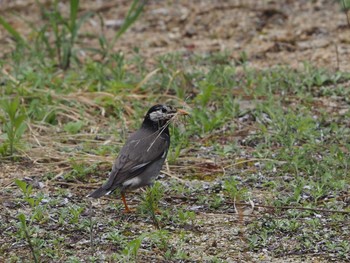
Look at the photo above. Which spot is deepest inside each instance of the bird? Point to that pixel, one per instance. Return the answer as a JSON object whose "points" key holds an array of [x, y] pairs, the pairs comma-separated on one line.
{"points": [[141, 158]]}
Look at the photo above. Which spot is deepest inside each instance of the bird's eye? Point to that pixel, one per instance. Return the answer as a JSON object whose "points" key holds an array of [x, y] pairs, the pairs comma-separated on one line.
{"points": [[164, 110]]}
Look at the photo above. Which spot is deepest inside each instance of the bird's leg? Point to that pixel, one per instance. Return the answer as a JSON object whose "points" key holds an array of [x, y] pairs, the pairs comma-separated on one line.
{"points": [[127, 210]]}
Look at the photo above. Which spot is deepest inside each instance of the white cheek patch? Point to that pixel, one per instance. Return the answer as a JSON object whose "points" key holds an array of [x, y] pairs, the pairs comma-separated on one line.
{"points": [[159, 115], [156, 116]]}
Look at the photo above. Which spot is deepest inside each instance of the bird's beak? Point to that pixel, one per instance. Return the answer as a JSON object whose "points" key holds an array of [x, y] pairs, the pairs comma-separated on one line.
{"points": [[182, 112]]}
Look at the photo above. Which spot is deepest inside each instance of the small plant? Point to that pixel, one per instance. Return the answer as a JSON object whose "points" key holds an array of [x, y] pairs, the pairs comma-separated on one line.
{"points": [[232, 190], [73, 127], [116, 237], [79, 170], [215, 202], [160, 239], [25, 231], [27, 192], [58, 37], [75, 212], [132, 248], [185, 216], [13, 125], [65, 32], [150, 201]]}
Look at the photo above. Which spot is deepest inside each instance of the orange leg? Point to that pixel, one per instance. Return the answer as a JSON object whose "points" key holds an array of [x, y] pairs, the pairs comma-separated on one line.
{"points": [[127, 210]]}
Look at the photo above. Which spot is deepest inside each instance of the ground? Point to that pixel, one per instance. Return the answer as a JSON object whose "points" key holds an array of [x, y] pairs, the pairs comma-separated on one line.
{"points": [[257, 173]]}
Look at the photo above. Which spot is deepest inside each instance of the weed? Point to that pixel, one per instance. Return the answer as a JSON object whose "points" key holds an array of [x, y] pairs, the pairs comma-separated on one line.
{"points": [[73, 127], [65, 33], [13, 124], [80, 170], [75, 212], [27, 192], [131, 250], [215, 202], [232, 190], [25, 231], [116, 237], [160, 239], [150, 202], [186, 216]]}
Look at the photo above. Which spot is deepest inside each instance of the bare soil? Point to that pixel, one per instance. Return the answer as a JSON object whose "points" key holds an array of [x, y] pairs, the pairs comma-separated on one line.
{"points": [[270, 32]]}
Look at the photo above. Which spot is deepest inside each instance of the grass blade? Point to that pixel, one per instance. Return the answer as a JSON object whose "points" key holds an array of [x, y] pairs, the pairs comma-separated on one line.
{"points": [[14, 33], [74, 6], [133, 13]]}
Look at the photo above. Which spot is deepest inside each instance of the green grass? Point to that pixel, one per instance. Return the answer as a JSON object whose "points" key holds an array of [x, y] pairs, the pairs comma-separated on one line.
{"points": [[303, 148], [59, 37], [277, 137], [14, 126]]}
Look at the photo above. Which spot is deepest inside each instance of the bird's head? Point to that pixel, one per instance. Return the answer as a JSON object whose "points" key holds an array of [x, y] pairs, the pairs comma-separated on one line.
{"points": [[160, 114]]}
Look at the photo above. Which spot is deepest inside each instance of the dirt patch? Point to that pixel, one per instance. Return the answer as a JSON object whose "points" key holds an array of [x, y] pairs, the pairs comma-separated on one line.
{"points": [[269, 32]]}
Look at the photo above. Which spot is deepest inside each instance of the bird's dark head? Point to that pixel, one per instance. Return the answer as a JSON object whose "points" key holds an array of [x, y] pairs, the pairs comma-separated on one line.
{"points": [[159, 115]]}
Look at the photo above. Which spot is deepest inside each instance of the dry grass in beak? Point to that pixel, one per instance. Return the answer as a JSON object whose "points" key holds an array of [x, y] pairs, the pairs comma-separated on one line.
{"points": [[182, 112], [177, 114]]}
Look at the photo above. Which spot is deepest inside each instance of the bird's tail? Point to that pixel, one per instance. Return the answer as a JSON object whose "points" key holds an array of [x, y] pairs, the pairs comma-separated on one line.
{"points": [[99, 192]]}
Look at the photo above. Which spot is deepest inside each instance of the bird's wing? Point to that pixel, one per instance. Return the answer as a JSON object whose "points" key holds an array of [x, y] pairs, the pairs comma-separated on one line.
{"points": [[140, 150]]}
